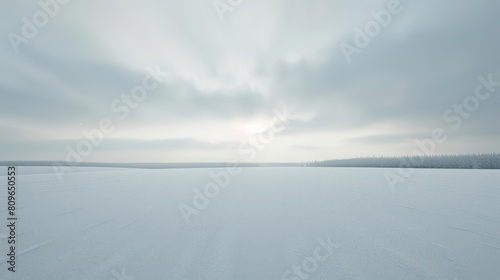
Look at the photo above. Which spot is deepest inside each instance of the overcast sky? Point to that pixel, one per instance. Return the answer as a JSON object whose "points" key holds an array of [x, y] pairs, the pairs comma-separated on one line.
{"points": [[226, 77]]}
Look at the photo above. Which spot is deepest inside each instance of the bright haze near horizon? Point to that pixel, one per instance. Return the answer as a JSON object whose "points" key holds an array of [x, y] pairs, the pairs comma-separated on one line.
{"points": [[227, 77]]}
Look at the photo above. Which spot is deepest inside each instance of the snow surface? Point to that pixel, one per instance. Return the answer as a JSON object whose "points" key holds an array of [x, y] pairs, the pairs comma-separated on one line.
{"points": [[124, 224]]}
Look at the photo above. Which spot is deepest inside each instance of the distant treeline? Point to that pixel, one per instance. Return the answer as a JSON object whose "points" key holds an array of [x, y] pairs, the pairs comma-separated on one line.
{"points": [[468, 161]]}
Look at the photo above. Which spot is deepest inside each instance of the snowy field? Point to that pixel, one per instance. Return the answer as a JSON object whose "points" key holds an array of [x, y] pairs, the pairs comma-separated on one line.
{"points": [[269, 223]]}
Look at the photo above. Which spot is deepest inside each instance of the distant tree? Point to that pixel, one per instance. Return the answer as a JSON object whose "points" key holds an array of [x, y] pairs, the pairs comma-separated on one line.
{"points": [[465, 161]]}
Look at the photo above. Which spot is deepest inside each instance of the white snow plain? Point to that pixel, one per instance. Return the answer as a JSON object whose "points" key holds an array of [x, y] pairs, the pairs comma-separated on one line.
{"points": [[124, 224]]}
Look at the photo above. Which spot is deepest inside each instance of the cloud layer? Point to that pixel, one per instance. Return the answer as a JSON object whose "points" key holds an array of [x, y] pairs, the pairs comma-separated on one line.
{"points": [[264, 55]]}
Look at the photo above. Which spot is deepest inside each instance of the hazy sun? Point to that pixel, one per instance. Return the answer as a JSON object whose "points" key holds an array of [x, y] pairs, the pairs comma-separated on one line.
{"points": [[255, 127]]}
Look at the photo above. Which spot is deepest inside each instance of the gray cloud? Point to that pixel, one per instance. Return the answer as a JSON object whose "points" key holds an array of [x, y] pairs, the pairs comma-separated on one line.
{"points": [[59, 149], [267, 54], [413, 79]]}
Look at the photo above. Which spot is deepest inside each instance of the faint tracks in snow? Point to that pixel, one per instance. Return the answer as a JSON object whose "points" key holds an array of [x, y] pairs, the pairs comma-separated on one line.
{"points": [[70, 212], [127, 225], [475, 232], [96, 225], [490, 245], [30, 249], [440, 245], [35, 247]]}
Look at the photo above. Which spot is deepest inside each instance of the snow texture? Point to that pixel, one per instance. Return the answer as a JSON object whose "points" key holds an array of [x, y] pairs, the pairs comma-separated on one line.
{"points": [[105, 223]]}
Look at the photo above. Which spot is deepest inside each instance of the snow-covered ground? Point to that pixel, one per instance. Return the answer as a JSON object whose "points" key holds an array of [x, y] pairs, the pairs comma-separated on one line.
{"points": [[269, 223]]}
